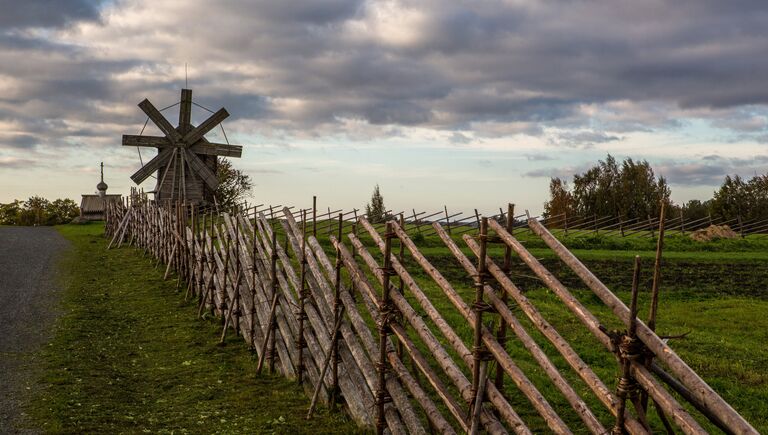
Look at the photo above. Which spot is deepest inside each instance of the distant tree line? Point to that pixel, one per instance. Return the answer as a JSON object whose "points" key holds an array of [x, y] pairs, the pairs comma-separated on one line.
{"points": [[38, 211], [631, 190]]}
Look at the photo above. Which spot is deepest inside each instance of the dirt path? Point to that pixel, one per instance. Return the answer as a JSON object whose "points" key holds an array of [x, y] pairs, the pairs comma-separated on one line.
{"points": [[28, 298]]}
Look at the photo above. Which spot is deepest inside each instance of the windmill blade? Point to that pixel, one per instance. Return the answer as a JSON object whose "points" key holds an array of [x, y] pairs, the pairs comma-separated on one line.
{"points": [[217, 149], [160, 121], [198, 132], [200, 169], [152, 166], [130, 140]]}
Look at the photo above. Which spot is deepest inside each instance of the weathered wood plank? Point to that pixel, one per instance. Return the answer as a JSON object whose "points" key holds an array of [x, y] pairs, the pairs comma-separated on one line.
{"points": [[130, 140]]}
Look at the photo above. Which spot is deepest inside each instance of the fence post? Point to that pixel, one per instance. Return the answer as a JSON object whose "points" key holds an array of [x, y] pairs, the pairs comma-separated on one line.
{"points": [[650, 226], [629, 348], [273, 323], [385, 311], [565, 217], [416, 221], [682, 220], [501, 333], [301, 343], [336, 314], [447, 220], [741, 224], [314, 215], [479, 353]]}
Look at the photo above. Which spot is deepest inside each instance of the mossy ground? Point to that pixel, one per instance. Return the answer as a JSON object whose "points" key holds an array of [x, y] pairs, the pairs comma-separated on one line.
{"points": [[129, 355]]}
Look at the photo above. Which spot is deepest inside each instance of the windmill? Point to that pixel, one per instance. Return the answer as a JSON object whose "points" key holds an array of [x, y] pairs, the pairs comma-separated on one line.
{"points": [[186, 162]]}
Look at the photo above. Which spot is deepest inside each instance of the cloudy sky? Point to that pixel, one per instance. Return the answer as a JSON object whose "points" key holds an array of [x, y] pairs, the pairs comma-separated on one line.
{"points": [[469, 104]]}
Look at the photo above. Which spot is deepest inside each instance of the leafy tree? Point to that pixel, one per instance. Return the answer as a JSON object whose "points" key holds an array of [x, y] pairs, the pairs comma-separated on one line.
{"points": [[234, 185], [629, 190], [375, 210], [695, 209], [560, 200], [35, 211], [10, 214], [62, 211], [738, 198]]}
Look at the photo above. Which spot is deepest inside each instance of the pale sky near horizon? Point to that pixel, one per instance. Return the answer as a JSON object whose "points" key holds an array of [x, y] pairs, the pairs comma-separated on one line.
{"points": [[469, 104]]}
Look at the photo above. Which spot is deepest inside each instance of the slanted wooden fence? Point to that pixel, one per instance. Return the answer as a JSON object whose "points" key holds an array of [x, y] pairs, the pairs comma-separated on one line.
{"points": [[356, 326]]}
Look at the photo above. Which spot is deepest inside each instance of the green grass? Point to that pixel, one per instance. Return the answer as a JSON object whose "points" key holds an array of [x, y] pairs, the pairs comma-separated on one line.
{"points": [[130, 356]]}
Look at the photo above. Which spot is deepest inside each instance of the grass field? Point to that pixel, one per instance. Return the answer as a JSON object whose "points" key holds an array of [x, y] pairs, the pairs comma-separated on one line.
{"points": [[130, 356]]}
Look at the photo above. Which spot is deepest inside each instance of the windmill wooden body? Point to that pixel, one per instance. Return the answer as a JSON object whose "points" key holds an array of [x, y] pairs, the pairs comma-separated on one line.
{"points": [[186, 162]]}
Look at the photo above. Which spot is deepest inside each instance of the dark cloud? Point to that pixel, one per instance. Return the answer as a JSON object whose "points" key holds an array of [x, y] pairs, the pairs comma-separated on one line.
{"points": [[41, 13], [308, 68], [694, 174], [538, 157], [459, 138], [583, 139], [21, 141], [563, 172]]}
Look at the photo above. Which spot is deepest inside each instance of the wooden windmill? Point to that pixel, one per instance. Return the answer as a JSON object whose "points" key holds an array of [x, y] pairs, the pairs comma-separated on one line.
{"points": [[186, 161]]}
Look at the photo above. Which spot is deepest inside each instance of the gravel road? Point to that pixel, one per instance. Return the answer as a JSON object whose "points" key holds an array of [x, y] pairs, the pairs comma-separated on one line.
{"points": [[28, 301]]}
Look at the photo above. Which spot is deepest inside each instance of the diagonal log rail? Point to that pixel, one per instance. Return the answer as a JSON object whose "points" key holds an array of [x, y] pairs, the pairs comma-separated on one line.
{"points": [[538, 401], [277, 295], [668, 403], [700, 389], [589, 419]]}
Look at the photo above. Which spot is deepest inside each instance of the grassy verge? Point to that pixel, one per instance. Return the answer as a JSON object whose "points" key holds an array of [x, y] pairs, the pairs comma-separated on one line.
{"points": [[130, 356]]}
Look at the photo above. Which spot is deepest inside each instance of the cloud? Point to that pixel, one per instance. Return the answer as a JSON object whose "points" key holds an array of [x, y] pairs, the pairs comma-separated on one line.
{"points": [[17, 163], [577, 74], [39, 13], [538, 157], [582, 139], [564, 172]]}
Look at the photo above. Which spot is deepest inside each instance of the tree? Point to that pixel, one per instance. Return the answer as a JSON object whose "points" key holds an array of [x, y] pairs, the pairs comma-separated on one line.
{"points": [[737, 198], [62, 211], [35, 211], [234, 185], [10, 214], [629, 190], [375, 211], [560, 200], [695, 209]]}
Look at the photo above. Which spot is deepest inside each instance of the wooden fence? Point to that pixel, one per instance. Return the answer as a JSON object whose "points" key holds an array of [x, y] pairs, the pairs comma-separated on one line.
{"points": [[357, 328]]}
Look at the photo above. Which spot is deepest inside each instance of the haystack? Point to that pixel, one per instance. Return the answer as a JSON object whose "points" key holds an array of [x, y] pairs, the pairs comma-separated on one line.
{"points": [[714, 232]]}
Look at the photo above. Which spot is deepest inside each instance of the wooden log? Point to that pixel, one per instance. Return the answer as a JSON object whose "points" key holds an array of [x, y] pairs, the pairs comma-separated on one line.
{"points": [[701, 390], [584, 315], [581, 408], [282, 343], [571, 357], [398, 395], [324, 299], [366, 338], [358, 401], [521, 381], [422, 330]]}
